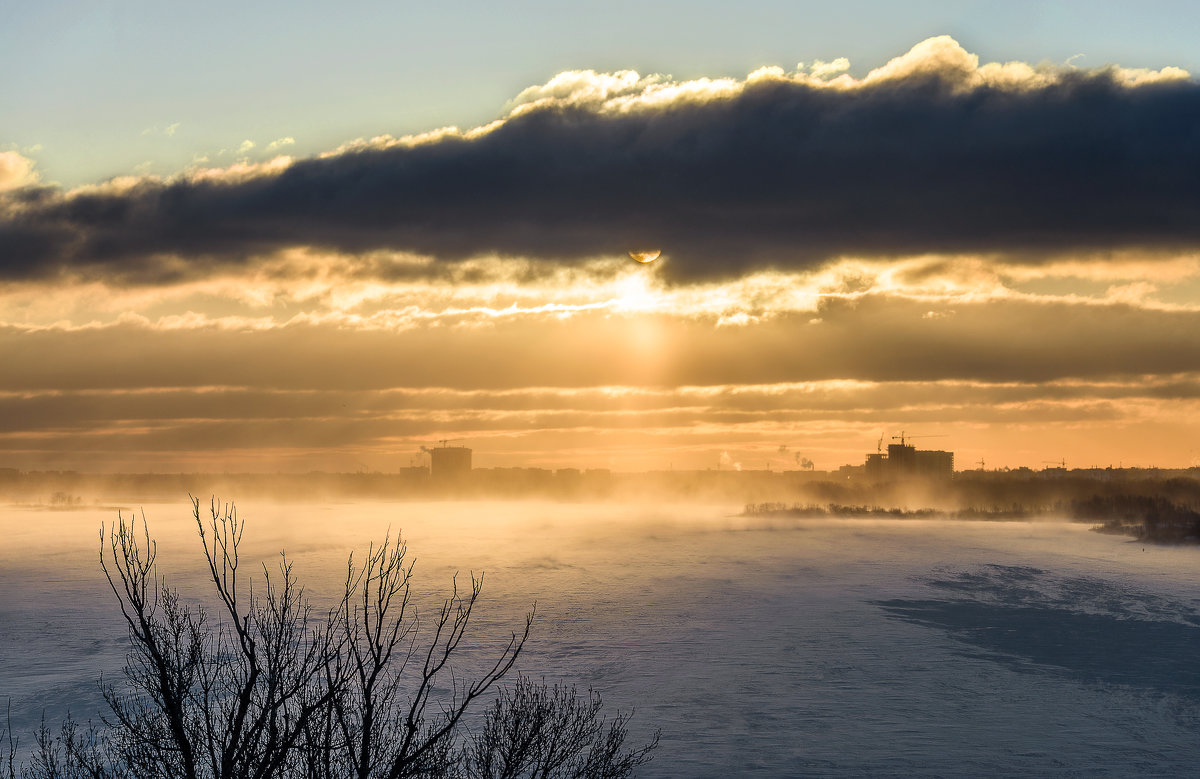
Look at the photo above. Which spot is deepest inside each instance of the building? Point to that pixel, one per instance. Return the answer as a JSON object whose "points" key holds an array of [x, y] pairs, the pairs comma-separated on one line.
{"points": [[449, 464], [906, 462]]}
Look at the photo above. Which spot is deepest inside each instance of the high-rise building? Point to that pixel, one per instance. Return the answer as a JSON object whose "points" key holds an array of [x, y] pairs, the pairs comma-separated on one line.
{"points": [[449, 464], [905, 461]]}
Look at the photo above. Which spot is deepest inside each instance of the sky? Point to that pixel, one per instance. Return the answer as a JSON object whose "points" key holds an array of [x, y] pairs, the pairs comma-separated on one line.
{"points": [[259, 237]]}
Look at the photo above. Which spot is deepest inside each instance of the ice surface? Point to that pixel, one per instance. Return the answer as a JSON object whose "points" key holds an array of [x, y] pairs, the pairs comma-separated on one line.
{"points": [[758, 646]]}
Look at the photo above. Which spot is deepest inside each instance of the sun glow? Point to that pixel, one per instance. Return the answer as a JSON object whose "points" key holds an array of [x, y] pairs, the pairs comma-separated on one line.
{"points": [[635, 295]]}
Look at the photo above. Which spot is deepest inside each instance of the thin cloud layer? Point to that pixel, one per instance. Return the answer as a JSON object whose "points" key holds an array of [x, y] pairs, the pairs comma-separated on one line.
{"points": [[871, 338], [931, 153]]}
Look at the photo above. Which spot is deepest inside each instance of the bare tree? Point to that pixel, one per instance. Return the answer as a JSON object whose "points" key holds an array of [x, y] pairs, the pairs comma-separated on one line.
{"points": [[383, 713], [203, 700], [8, 744], [259, 684]]}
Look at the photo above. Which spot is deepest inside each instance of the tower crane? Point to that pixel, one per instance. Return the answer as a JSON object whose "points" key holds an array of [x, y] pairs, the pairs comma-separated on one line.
{"points": [[902, 437]]}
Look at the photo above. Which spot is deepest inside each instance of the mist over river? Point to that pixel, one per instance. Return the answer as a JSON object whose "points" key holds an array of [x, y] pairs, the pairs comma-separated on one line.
{"points": [[759, 646]]}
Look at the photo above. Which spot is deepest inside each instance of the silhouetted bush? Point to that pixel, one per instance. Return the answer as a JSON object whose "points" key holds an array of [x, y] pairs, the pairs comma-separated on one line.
{"points": [[536, 731], [262, 684]]}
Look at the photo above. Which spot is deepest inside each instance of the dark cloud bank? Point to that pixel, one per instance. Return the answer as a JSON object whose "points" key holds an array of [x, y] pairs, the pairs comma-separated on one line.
{"points": [[783, 174]]}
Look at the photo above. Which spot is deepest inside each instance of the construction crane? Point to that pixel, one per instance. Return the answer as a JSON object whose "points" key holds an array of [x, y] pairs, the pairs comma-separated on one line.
{"points": [[442, 442], [981, 464], [902, 437], [1060, 463]]}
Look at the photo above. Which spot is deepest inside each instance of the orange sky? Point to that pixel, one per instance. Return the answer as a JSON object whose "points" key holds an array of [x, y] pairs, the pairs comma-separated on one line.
{"points": [[162, 344]]}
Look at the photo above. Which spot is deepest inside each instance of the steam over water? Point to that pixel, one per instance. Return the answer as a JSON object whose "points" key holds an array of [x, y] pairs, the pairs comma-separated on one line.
{"points": [[758, 646]]}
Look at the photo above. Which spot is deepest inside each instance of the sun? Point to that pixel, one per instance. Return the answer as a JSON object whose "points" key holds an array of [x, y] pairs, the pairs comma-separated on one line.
{"points": [[644, 257]]}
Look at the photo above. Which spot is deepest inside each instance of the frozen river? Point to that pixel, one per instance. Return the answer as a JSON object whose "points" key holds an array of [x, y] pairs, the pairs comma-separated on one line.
{"points": [[760, 647]]}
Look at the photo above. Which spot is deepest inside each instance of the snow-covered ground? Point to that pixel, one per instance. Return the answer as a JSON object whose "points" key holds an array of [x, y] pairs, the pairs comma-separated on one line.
{"points": [[769, 647]]}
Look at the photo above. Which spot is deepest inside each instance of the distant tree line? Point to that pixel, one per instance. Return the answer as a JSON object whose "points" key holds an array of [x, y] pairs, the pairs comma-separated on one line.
{"points": [[991, 490], [812, 510], [261, 684], [1146, 517]]}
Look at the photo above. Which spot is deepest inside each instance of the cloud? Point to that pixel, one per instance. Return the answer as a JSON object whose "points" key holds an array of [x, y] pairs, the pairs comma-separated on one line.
{"points": [[215, 423], [871, 338], [279, 143], [142, 391], [823, 70], [930, 153], [168, 130], [16, 171]]}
